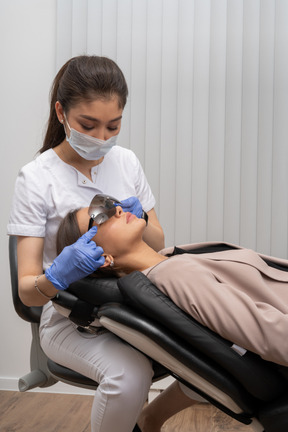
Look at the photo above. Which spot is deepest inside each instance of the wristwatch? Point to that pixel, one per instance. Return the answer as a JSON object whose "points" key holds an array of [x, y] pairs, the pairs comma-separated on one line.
{"points": [[145, 216]]}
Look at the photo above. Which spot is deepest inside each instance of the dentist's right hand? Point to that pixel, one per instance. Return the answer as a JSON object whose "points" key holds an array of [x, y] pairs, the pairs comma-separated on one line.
{"points": [[76, 261]]}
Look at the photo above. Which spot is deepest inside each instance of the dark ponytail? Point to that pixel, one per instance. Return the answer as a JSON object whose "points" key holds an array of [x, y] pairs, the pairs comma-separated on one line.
{"points": [[82, 78]]}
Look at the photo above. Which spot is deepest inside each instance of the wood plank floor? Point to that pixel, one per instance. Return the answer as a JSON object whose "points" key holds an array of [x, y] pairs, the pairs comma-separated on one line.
{"points": [[44, 412]]}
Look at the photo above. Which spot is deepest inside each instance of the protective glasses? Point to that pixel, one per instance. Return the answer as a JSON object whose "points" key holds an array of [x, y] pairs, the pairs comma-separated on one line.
{"points": [[102, 208]]}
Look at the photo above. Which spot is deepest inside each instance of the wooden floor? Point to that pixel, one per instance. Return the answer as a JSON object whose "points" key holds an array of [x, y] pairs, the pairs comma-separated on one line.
{"points": [[43, 412]]}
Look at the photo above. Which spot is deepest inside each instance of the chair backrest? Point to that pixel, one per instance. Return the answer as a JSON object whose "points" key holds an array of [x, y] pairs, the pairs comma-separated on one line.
{"points": [[260, 378], [31, 314]]}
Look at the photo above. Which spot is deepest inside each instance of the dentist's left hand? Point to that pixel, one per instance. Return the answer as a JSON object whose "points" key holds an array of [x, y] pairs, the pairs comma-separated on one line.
{"points": [[76, 261], [132, 205]]}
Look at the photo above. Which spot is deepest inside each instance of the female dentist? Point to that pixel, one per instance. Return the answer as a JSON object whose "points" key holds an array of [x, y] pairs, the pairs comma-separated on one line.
{"points": [[78, 159]]}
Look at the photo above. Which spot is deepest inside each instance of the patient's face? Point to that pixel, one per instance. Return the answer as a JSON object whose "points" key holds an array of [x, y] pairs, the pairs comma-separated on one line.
{"points": [[118, 234]]}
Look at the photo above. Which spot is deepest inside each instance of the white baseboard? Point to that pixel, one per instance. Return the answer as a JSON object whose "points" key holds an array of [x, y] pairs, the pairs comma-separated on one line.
{"points": [[11, 384]]}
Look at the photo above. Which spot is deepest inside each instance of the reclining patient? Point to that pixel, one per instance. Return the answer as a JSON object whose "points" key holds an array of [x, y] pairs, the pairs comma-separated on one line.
{"points": [[233, 292]]}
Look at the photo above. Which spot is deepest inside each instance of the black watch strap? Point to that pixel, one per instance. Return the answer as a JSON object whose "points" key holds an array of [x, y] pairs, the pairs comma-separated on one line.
{"points": [[145, 217]]}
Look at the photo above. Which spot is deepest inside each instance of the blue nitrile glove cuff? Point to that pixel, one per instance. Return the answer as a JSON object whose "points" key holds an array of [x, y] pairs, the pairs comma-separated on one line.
{"points": [[49, 275]]}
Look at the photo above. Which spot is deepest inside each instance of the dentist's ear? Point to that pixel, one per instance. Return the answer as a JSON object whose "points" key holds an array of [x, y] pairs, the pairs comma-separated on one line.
{"points": [[108, 261], [59, 111]]}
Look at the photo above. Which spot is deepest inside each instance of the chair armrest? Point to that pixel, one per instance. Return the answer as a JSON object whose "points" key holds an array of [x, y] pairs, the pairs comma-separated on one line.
{"points": [[79, 311], [96, 290]]}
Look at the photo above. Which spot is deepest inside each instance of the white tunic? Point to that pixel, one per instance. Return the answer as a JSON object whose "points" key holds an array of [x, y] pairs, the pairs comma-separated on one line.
{"points": [[47, 188]]}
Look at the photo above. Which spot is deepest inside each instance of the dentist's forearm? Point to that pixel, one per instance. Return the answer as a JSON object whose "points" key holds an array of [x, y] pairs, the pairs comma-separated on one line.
{"points": [[153, 234]]}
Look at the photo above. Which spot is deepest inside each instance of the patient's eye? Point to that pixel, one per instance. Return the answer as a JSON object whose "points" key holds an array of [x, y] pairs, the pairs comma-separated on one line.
{"points": [[101, 218]]}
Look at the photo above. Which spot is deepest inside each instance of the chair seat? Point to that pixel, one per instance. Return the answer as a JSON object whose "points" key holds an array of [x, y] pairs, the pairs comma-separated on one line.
{"points": [[69, 376], [61, 373]]}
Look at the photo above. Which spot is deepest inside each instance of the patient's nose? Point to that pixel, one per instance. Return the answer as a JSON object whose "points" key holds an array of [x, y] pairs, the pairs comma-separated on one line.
{"points": [[119, 211]]}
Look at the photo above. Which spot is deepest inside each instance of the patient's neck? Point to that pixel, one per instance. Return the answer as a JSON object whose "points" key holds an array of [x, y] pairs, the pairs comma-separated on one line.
{"points": [[142, 257]]}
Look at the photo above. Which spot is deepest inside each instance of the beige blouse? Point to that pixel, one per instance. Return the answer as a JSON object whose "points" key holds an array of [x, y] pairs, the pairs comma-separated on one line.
{"points": [[234, 293]]}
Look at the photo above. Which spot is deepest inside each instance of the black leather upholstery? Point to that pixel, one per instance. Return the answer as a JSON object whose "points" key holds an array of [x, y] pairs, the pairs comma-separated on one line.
{"points": [[259, 388], [260, 378], [134, 309]]}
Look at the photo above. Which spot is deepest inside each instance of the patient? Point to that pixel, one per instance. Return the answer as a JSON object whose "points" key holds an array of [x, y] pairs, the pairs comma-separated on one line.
{"points": [[233, 292]]}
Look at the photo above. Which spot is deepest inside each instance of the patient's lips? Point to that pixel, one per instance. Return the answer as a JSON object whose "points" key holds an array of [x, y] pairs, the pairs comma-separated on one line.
{"points": [[129, 217]]}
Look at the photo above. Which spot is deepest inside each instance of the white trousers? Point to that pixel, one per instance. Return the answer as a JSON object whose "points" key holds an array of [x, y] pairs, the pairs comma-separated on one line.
{"points": [[124, 374]]}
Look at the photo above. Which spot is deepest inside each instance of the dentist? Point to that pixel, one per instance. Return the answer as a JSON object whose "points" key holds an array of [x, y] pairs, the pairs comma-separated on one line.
{"points": [[78, 159]]}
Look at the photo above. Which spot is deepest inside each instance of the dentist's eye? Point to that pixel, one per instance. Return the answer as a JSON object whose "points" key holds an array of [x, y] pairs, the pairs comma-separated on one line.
{"points": [[87, 128]]}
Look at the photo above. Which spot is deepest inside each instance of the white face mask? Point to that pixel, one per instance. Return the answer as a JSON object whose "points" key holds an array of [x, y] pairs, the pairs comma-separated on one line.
{"points": [[88, 147]]}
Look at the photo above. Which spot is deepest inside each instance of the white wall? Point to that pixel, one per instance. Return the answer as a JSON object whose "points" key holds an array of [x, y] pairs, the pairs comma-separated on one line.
{"points": [[207, 111], [207, 114], [27, 35]]}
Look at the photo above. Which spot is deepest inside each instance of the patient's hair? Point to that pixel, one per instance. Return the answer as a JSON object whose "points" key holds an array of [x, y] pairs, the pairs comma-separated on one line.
{"points": [[68, 233]]}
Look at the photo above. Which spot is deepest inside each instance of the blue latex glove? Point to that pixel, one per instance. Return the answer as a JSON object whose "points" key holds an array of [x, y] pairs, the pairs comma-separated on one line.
{"points": [[76, 261], [133, 206]]}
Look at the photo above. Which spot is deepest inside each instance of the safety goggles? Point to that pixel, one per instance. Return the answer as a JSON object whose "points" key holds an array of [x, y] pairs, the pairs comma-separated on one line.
{"points": [[102, 208]]}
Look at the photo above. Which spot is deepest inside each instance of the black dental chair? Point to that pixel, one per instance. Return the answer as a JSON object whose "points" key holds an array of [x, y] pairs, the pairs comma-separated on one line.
{"points": [[240, 383]]}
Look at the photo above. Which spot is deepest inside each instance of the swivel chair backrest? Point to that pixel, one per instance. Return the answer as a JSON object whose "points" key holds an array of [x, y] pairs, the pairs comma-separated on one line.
{"points": [[44, 372]]}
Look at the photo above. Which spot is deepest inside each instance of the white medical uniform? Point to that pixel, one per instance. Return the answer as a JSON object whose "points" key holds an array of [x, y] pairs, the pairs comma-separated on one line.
{"points": [[46, 189]]}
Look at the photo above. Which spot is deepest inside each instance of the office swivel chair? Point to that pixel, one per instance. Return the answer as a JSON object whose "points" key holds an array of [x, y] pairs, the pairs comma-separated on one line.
{"points": [[242, 384], [45, 372]]}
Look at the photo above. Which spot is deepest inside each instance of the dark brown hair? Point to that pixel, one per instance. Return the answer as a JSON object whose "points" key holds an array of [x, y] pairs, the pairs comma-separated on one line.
{"points": [[69, 232], [82, 78]]}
